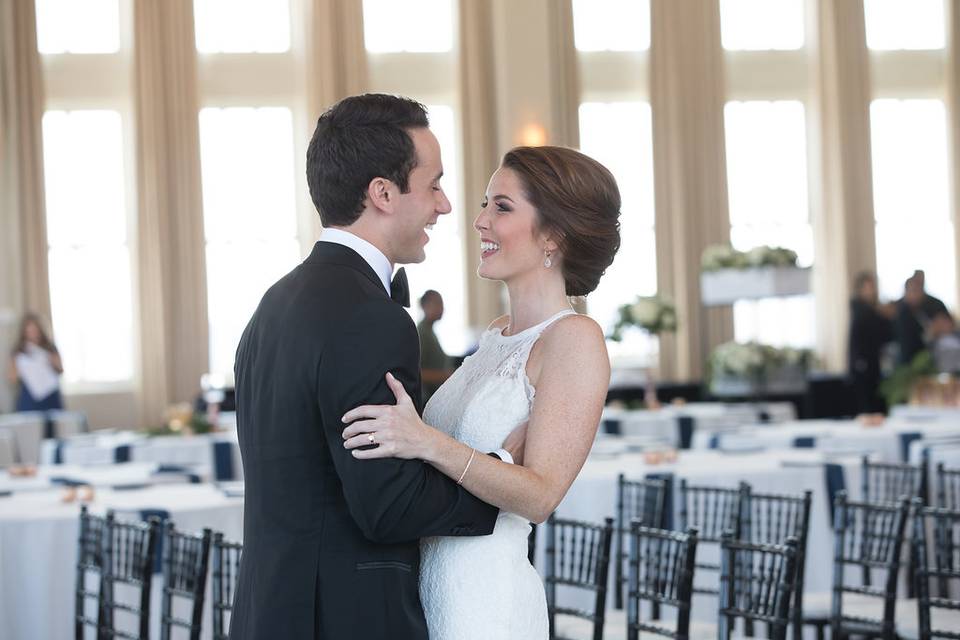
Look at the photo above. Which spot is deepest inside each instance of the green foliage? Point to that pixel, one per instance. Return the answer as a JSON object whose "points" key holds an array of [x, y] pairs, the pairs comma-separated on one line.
{"points": [[896, 389]]}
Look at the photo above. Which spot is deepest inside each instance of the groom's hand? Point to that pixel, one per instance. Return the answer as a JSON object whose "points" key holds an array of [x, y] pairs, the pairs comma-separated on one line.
{"points": [[515, 443]]}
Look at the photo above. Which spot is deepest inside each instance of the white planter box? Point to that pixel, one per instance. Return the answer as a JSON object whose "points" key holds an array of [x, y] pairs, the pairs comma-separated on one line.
{"points": [[783, 381], [726, 286]]}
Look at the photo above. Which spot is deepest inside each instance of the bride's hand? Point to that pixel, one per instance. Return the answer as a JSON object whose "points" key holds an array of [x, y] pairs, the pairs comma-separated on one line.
{"points": [[397, 430]]}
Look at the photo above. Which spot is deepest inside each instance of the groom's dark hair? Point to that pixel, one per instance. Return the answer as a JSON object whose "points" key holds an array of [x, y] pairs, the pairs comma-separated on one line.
{"points": [[358, 139]]}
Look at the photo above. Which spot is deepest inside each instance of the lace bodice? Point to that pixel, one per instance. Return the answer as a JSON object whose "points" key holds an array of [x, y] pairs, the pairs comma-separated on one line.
{"points": [[484, 587]]}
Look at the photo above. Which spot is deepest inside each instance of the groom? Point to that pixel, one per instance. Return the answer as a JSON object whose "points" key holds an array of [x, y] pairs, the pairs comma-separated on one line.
{"points": [[331, 545]]}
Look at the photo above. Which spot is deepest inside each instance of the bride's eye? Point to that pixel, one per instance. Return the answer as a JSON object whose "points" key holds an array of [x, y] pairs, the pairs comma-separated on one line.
{"points": [[483, 204]]}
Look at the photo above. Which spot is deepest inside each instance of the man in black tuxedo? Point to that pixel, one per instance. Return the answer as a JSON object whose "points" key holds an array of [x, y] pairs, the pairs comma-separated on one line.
{"points": [[331, 543]]}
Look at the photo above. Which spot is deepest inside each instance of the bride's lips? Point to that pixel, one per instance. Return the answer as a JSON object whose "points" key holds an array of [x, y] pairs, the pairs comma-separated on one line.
{"points": [[488, 248]]}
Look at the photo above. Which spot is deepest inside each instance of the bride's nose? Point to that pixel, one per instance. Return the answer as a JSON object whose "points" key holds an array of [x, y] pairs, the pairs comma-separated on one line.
{"points": [[480, 224]]}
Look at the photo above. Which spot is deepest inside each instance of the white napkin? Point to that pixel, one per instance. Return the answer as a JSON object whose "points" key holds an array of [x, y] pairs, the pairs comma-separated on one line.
{"points": [[36, 372]]}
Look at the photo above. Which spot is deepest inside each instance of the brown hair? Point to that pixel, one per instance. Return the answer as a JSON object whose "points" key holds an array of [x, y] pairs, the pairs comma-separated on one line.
{"points": [[45, 342], [578, 202]]}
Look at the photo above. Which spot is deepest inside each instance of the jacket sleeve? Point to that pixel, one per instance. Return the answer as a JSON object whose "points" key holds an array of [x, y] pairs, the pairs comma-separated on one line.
{"points": [[391, 500]]}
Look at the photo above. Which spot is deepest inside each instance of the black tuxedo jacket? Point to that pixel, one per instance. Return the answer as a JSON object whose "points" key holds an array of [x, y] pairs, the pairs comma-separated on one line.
{"points": [[331, 545]]}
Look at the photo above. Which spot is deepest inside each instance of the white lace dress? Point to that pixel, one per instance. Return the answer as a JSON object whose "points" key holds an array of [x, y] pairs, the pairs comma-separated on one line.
{"points": [[484, 588]]}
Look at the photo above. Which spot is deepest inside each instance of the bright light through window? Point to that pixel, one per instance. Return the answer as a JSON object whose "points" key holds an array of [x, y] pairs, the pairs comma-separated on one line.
{"points": [[762, 24], [89, 260], [767, 185], [619, 135], [611, 25], [412, 26], [443, 270], [249, 216], [911, 196], [242, 26], [78, 26], [905, 24]]}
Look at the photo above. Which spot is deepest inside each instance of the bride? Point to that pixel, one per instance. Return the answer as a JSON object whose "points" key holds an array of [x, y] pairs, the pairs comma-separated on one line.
{"points": [[548, 229]]}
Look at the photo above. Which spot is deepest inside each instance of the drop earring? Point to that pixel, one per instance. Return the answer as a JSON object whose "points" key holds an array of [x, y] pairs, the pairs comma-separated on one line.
{"points": [[547, 262]]}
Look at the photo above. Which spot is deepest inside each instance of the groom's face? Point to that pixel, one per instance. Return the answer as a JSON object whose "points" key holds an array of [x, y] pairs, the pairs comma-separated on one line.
{"points": [[419, 208]]}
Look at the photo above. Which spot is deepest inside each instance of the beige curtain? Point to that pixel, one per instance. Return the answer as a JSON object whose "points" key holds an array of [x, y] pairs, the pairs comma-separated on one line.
{"points": [[481, 156], [172, 276], [843, 222], [953, 111], [564, 75], [22, 207], [336, 55], [687, 97]]}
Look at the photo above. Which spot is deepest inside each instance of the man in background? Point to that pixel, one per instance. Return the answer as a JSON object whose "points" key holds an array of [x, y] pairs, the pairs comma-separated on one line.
{"points": [[435, 365]]}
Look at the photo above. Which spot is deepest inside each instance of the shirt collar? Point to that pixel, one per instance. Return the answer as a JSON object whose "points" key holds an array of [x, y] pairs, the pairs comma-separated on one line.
{"points": [[374, 257]]}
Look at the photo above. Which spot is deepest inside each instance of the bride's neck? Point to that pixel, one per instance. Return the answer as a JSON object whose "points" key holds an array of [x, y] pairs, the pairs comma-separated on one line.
{"points": [[535, 298]]}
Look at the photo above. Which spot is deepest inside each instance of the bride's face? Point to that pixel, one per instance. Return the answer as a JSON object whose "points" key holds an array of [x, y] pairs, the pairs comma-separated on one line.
{"points": [[510, 243]]}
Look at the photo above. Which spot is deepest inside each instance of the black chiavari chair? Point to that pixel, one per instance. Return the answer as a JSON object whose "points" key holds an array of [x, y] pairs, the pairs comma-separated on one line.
{"points": [[948, 488], [226, 568], [89, 560], [661, 569], [869, 536], [578, 556], [713, 511], [636, 500], [768, 518], [185, 561], [128, 553], [756, 584], [887, 483], [938, 616]]}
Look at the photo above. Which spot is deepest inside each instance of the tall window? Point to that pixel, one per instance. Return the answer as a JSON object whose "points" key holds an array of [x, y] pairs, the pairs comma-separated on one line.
{"points": [[613, 41], [412, 51], [251, 158], [766, 149], [87, 173]]}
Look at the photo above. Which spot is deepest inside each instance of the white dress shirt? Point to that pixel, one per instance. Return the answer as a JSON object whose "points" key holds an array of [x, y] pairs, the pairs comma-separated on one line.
{"points": [[373, 256]]}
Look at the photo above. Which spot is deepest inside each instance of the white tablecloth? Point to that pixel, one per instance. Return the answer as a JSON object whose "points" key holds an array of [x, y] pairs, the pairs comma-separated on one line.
{"points": [[38, 550]]}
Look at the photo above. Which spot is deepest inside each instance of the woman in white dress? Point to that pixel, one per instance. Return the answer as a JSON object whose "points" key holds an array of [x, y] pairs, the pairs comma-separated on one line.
{"points": [[548, 229]]}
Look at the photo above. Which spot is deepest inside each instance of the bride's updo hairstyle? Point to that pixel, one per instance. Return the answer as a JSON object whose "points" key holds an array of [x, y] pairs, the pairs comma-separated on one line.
{"points": [[578, 203]]}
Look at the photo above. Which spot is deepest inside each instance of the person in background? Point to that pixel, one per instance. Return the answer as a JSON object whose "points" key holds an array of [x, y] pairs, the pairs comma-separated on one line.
{"points": [[945, 343], [931, 305], [870, 329], [435, 365], [35, 366], [911, 321]]}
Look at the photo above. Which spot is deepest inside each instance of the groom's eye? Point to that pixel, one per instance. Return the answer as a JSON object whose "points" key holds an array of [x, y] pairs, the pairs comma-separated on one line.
{"points": [[483, 205]]}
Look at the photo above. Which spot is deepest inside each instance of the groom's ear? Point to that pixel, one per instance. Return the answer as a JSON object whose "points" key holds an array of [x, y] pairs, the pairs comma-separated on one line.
{"points": [[382, 194]]}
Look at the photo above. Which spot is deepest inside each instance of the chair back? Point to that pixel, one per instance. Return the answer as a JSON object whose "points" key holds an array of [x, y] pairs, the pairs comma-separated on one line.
{"points": [[713, 511], [887, 483], [768, 518], [641, 500], [226, 569], [185, 561], [89, 560], [578, 556], [869, 536], [936, 545], [948, 487], [661, 570], [128, 553], [756, 584]]}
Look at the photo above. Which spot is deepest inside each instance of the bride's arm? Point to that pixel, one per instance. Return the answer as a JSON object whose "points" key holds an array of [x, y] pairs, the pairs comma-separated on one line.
{"points": [[571, 388]]}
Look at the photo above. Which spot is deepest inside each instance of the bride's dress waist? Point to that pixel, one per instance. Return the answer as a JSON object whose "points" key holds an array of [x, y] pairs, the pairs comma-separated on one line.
{"points": [[510, 531]]}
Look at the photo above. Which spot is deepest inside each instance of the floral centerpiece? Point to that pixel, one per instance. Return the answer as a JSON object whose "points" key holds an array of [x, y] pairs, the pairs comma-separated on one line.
{"points": [[654, 314], [717, 257], [181, 419], [750, 368]]}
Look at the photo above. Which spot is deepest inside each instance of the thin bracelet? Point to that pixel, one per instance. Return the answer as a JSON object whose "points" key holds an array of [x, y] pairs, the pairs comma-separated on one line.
{"points": [[473, 452]]}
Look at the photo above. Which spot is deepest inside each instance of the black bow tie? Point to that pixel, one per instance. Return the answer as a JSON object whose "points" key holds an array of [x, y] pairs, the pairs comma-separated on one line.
{"points": [[399, 289]]}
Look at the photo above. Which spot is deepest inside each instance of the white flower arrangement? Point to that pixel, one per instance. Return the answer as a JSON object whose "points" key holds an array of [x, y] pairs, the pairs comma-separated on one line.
{"points": [[654, 314], [717, 257], [749, 365]]}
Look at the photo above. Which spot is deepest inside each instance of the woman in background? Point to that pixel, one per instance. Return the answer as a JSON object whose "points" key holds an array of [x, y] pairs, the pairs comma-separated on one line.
{"points": [[35, 366]]}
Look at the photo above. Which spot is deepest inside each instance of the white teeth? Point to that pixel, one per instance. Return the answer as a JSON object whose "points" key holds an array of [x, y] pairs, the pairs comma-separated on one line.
{"points": [[429, 227], [489, 246]]}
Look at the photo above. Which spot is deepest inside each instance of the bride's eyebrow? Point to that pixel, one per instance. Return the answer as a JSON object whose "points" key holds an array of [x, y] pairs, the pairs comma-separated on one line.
{"points": [[500, 195]]}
